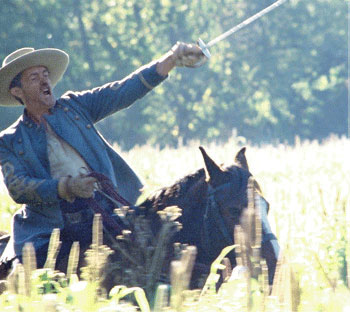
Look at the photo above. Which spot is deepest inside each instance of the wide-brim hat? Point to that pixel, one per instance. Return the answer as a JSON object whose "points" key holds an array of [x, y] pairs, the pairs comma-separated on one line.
{"points": [[55, 60]]}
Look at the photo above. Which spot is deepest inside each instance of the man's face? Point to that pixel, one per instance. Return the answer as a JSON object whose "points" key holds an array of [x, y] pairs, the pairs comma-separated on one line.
{"points": [[36, 89]]}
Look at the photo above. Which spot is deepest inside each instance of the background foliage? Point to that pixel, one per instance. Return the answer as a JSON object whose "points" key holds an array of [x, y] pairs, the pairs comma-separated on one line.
{"points": [[284, 75]]}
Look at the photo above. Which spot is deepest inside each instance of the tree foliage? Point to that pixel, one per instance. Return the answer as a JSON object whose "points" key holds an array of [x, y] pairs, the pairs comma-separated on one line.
{"points": [[282, 76]]}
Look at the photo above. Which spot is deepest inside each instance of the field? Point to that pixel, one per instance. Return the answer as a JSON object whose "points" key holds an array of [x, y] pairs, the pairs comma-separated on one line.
{"points": [[307, 186]]}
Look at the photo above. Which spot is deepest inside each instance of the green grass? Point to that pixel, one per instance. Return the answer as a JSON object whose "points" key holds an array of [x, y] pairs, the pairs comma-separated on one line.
{"points": [[307, 186]]}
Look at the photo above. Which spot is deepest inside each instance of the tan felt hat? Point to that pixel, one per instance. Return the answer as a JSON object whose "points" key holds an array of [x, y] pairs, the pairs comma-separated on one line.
{"points": [[55, 60]]}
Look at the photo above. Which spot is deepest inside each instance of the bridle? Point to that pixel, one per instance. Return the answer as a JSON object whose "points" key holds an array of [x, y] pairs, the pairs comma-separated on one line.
{"points": [[213, 216]]}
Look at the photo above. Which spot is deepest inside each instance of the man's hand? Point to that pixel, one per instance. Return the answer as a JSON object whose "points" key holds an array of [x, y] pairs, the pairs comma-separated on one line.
{"points": [[181, 54], [80, 186], [188, 55]]}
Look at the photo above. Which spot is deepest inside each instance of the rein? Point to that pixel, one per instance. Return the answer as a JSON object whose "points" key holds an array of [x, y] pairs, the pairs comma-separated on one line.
{"points": [[107, 189]]}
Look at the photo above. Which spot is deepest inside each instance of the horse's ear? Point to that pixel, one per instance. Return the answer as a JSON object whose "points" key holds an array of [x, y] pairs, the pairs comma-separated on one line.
{"points": [[241, 160], [212, 168]]}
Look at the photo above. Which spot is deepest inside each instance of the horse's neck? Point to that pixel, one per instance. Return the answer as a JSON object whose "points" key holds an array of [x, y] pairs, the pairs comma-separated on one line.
{"points": [[196, 195], [188, 192]]}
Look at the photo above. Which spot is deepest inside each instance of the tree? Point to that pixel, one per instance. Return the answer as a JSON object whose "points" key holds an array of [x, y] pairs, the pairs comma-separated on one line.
{"points": [[284, 75]]}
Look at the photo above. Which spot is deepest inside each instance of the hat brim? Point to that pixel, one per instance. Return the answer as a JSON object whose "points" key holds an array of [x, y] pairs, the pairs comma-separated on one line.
{"points": [[55, 60]]}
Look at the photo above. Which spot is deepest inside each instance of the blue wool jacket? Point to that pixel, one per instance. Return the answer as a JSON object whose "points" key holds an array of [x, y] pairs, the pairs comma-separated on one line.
{"points": [[25, 165]]}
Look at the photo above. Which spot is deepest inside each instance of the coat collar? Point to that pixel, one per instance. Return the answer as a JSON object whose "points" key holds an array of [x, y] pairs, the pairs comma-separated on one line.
{"points": [[30, 121]]}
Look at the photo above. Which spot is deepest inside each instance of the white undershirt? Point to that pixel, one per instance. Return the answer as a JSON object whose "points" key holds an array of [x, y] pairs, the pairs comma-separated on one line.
{"points": [[64, 159]]}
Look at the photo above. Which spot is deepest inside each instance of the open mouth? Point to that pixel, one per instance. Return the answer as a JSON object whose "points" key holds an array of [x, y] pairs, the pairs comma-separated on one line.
{"points": [[47, 91]]}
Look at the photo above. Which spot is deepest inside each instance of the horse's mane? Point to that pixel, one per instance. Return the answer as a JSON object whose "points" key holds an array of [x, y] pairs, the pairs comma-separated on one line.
{"points": [[176, 190]]}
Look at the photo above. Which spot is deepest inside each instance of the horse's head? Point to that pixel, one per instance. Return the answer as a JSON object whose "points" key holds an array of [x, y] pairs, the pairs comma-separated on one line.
{"points": [[234, 197], [228, 185], [227, 199]]}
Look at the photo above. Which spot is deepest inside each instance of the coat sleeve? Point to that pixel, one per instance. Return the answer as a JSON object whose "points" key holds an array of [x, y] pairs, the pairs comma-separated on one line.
{"points": [[103, 101], [23, 188]]}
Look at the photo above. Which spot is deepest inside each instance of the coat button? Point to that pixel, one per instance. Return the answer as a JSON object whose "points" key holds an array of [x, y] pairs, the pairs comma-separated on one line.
{"points": [[88, 126], [76, 117], [20, 140], [66, 109]]}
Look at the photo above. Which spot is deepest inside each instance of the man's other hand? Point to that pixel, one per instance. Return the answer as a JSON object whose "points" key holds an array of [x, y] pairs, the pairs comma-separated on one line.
{"points": [[80, 186]]}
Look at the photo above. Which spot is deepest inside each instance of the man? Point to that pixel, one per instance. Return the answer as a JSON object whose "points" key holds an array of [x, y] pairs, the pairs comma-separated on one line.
{"points": [[43, 152]]}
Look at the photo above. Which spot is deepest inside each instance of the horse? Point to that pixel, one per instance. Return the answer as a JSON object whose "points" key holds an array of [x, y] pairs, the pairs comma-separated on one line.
{"points": [[213, 201]]}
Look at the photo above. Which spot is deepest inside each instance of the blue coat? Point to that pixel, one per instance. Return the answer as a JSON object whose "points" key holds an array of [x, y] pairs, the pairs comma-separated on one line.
{"points": [[25, 165]]}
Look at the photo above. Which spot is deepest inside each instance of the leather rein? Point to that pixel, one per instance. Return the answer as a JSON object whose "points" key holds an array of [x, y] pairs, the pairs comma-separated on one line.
{"points": [[107, 189]]}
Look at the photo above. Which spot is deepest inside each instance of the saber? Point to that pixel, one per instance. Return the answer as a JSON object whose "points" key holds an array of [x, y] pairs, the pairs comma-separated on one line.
{"points": [[205, 47]]}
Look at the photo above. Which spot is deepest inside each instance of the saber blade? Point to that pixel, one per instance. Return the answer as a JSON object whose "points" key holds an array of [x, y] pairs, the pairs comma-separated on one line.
{"points": [[245, 23], [205, 47]]}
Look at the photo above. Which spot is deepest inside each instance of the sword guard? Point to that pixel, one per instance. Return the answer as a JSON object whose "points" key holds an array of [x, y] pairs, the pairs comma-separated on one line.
{"points": [[201, 58], [204, 48]]}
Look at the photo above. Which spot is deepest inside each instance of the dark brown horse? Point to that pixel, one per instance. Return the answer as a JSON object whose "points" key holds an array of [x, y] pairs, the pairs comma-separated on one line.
{"points": [[213, 201]]}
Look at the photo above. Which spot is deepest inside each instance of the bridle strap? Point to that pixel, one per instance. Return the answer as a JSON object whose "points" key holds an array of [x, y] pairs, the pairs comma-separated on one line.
{"points": [[212, 212], [217, 214], [212, 190]]}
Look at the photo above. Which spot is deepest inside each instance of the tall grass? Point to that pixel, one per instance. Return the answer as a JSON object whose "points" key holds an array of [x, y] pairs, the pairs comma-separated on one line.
{"points": [[307, 186]]}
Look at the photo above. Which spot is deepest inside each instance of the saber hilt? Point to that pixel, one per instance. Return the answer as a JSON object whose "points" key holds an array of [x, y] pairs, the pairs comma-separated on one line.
{"points": [[204, 48]]}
